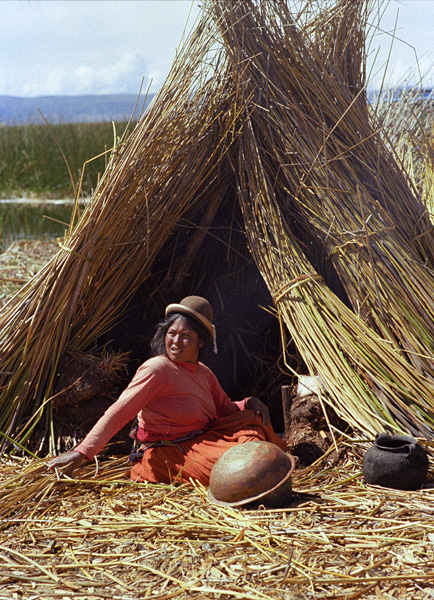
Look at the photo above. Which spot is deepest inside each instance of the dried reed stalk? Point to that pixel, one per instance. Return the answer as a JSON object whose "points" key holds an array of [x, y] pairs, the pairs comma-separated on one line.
{"points": [[336, 177]]}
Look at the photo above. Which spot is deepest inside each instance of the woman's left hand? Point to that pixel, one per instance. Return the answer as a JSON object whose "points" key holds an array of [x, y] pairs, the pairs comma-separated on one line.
{"points": [[259, 408]]}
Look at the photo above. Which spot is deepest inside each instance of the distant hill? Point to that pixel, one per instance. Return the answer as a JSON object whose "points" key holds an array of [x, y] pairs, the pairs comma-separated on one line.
{"points": [[15, 110]]}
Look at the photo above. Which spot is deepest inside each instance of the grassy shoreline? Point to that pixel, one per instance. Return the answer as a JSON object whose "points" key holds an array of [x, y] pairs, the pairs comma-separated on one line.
{"points": [[32, 165], [33, 173]]}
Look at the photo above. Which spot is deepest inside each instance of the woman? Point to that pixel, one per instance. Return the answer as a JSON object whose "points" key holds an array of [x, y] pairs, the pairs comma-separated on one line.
{"points": [[185, 421]]}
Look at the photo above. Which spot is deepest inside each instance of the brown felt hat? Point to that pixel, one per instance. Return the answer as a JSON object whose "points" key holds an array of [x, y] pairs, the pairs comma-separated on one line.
{"points": [[197, 308]]}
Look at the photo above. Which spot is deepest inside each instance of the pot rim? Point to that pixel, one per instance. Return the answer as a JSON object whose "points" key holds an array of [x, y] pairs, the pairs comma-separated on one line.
{"points": [[405, 440], [259, 496]]}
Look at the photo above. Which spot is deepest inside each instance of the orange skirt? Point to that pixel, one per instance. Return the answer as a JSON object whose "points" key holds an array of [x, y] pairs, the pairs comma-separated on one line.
{"points": [[168, 464]]}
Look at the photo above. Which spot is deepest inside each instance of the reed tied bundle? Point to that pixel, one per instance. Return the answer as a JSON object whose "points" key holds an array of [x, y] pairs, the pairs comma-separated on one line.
{"points": [[168, 164], [316, 179]]}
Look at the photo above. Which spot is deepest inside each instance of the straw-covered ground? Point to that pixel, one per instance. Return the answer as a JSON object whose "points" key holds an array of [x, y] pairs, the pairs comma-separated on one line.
{"points": [[20, 262], [102, 536]]}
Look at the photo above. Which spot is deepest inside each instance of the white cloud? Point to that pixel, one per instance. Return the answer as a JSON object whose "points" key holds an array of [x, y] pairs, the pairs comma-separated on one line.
{"points": [[77, 47], [123, 76]]}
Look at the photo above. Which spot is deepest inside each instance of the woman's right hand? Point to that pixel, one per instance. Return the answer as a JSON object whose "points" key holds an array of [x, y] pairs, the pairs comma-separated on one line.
{"points": [[67, 462]]}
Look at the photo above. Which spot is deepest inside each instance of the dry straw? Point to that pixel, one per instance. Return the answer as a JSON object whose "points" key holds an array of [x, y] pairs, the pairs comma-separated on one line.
{"points": [[102, 536]]}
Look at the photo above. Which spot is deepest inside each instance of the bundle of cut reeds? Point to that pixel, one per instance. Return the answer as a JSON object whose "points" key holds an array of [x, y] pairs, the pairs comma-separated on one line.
{"points": [[339, 187], [168, 164], [314, 172]]}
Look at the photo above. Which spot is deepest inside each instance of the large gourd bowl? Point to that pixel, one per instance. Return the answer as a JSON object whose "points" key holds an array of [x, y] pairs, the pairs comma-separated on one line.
{"points": [[256, 472]]}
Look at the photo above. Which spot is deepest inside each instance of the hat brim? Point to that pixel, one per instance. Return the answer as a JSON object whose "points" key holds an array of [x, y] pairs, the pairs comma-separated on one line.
{"points": [[190, 312]]}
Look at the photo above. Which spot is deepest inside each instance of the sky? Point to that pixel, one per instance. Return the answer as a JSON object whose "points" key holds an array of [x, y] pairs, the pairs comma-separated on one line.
{"points": [[73, 47]]}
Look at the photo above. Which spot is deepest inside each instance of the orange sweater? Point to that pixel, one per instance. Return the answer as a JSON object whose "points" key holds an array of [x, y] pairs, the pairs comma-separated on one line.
{"points": [[170, 400]]}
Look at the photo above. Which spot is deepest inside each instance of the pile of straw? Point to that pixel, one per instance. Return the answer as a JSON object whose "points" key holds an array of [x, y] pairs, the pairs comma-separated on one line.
{"points": [[20, 262], [105, 537]]}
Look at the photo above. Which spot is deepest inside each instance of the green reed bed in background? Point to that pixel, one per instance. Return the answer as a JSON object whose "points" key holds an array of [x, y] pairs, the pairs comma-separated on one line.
{"points": [[32, 164]]}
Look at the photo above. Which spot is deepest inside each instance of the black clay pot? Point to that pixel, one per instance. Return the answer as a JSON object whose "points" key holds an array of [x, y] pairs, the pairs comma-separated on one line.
{"points": [[395, 461]]}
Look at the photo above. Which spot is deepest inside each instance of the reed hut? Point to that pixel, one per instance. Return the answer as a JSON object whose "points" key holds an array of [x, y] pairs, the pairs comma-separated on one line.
{"points": [[258, 177]]}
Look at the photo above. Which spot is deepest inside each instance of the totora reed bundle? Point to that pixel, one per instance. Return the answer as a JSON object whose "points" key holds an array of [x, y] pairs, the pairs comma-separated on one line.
{"points": [[314, 173], [169, 163]]}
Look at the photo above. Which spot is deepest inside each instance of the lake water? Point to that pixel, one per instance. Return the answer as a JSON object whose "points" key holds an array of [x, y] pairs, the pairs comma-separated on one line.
{"points": [[21, 218]]}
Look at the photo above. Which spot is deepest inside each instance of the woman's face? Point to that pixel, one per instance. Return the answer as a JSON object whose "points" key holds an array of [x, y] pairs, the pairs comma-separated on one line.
{"points": [[182, 343]]}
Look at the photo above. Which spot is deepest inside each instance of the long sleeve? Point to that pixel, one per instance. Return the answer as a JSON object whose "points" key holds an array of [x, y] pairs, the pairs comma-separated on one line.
{"points": [[133, 399]]}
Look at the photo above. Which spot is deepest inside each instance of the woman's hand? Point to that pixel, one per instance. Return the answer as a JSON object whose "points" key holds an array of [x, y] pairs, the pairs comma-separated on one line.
{"points": [[259, 408], [67, 462]]}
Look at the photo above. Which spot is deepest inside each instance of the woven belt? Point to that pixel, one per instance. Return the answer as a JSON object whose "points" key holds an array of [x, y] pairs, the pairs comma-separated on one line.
{"points": [[138, 452]]}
